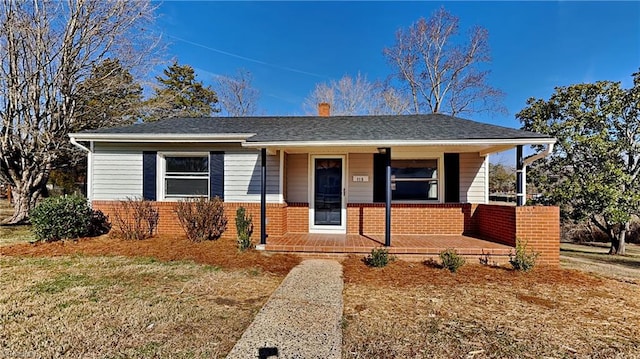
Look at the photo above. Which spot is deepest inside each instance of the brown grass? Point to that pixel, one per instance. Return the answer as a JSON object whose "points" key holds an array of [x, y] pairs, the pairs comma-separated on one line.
{"points": [[222, 253], [99, 307], [409, 310], [593, 258]]}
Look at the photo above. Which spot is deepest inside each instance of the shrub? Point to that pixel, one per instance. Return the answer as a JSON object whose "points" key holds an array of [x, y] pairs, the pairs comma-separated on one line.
{"points": [[136, 218], [485, 259], [379, 257], [98, 224], [523, 260], [57, 218], [244, 227], [451, 260], [202, 218]]}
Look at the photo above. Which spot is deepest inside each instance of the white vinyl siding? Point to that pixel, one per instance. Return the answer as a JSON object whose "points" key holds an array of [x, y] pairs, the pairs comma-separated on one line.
{"points": [[360, 164], [116, 173], [242, 177], [473, 178], [297, 178]]}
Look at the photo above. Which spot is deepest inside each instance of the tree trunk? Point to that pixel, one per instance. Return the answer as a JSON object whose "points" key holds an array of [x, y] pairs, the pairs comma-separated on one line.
{"points": [[618, 240], [613, 250], [23, 201]]}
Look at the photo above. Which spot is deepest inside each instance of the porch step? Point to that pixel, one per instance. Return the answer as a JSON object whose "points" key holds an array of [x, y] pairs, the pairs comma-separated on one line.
{"points": [[392, 250], [406, 247]]}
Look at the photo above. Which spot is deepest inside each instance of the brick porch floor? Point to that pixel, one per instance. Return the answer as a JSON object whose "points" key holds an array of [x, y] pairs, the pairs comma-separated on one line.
{"points": [[418, 245]]}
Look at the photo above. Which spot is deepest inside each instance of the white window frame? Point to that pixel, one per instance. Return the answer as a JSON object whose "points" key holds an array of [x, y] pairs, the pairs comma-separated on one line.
{"points": [[162, 175], [417, 156], [429, 180]]}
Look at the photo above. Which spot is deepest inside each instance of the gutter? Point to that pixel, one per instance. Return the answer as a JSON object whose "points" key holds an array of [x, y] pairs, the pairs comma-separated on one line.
{"points": [[161, 137], [401, 143]]}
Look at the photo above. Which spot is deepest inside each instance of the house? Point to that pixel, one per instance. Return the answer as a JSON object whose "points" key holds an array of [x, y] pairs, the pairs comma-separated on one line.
{"points": [[415, 183]]}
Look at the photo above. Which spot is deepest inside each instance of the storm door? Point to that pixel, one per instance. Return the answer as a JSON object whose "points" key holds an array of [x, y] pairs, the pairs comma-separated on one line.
{"points": [[328, 208]]}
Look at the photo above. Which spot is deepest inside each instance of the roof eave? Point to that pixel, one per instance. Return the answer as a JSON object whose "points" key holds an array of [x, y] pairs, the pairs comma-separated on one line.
{"points": [[403, 143], [159, 137]]}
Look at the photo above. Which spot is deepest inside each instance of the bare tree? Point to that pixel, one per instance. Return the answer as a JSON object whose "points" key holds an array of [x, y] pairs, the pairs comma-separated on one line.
{"points": [[237, 94], [388, 100], [46, 49], [442, 74], [356, 96], [347, 96]]}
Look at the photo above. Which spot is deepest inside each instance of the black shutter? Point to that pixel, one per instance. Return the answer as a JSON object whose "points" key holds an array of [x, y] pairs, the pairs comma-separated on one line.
{"points": [[379, 174], [452, 177], [216, 174], [149, 170]]}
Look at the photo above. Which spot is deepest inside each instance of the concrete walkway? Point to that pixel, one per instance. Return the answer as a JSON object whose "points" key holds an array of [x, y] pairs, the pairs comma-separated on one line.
{"points": [[302, 319]]}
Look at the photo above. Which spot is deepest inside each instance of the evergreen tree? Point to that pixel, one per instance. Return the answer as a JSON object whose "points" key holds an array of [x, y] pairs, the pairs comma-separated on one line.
{"points": [[180, 95], [108, 97]]}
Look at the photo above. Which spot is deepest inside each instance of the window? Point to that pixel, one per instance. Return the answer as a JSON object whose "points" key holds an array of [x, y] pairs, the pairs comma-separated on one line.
{"points": [[414, 179], [186, 176]]}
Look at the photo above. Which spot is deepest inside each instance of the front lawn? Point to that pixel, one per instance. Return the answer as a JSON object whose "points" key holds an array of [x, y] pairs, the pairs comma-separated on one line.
{"points": [[593, 258], [115, 307], [164, 297], [409, 310], [12, 234]]}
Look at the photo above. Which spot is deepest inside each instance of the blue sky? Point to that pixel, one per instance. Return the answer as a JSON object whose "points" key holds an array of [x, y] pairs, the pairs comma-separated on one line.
{"points": [[291, 46]]}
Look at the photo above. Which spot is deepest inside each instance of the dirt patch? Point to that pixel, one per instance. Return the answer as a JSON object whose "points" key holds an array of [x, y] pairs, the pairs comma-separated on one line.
{"points": [[412, 310], [222, 253]]}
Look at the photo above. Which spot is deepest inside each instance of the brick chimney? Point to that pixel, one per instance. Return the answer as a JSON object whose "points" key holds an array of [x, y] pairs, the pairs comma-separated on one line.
{"points": [[324, 109]]}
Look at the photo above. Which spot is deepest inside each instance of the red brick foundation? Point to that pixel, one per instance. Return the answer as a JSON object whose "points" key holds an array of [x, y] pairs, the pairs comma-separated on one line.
{"points": [[168, 221], [537, 225]]}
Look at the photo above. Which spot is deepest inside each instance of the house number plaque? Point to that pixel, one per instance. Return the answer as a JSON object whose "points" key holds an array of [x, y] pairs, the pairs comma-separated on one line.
{"points": [[360, 179]]}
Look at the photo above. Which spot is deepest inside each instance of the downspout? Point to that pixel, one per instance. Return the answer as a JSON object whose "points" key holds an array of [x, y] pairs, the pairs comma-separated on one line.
{"points": [[89, 178], [529, 160], [79, 145]]}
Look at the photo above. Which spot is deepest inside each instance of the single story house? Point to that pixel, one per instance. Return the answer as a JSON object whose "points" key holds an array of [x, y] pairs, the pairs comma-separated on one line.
{"points": [[414, 183]]}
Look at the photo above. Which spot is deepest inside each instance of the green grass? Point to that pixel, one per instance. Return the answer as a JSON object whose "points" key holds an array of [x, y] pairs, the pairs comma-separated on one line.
{"points": [[15, 234], [12, 234]]}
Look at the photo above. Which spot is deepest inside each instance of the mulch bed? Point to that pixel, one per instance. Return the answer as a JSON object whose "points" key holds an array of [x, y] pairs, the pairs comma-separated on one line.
{"points": [[404, 274], [222, 253]]}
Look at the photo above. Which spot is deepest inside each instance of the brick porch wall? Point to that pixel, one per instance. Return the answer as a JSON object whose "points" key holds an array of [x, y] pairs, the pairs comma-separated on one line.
{"points": [[297, 217], [539, 226], [454, 218]]}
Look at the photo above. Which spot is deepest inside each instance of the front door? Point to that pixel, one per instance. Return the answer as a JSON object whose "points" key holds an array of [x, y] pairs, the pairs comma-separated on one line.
{"points": [[328, 210]]}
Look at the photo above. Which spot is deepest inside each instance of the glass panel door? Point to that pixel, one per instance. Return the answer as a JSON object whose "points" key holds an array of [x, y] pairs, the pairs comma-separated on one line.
{"points": [[328, 191]]}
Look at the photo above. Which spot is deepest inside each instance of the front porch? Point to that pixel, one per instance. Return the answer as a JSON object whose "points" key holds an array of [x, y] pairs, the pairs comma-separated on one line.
{"points": [[416, 247]]}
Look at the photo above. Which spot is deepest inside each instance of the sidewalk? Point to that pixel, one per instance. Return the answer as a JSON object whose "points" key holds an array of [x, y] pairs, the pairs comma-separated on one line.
{"points": [[302, 319]]}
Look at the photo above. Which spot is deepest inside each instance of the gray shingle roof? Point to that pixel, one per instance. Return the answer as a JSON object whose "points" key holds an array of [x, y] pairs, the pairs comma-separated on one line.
{"points": [[334, 128]]}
